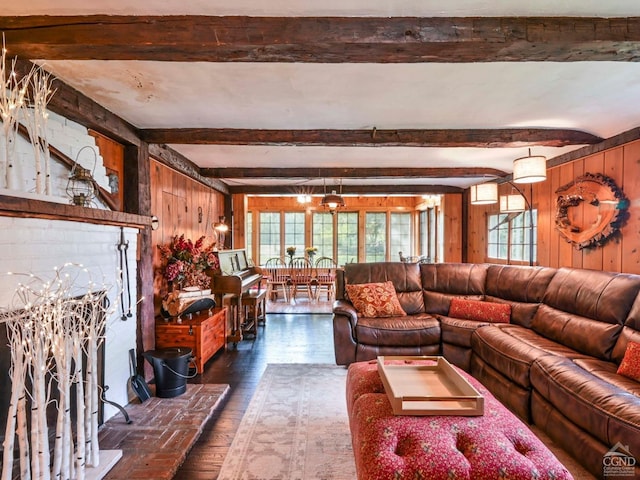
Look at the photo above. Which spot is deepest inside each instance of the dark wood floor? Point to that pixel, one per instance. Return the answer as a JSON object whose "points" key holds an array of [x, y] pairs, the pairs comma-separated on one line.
{"points": [[285, 338]]}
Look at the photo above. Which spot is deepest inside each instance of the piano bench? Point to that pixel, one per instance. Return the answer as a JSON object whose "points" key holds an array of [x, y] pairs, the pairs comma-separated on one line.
{"points": [[254, 304]]}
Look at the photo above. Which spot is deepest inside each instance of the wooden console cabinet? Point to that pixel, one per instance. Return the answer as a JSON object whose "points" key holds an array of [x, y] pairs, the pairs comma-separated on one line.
{"points": [[205, 333]]}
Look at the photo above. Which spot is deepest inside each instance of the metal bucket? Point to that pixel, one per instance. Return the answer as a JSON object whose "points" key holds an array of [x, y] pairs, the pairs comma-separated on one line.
{"points": [[171, 370]]}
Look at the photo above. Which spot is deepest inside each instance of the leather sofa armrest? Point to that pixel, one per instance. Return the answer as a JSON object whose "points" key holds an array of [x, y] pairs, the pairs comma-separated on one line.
{"points": [[343, 307], [345, 318]]}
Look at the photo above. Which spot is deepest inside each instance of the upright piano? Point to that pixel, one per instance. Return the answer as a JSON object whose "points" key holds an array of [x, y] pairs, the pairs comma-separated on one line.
{"points": [[236, 277]]}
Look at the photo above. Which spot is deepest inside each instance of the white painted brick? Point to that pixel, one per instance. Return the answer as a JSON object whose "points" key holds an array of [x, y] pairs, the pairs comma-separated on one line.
{"points": [[37, 246]]}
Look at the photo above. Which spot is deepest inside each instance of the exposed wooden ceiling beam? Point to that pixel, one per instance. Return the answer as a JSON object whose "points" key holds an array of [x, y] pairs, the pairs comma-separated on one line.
{"points": [[339, 172], [346, 190], [323, 39], [473, 137], [180, 163]]}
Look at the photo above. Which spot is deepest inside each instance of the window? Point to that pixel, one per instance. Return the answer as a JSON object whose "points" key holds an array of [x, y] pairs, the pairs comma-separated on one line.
{"points": [[428, 234], [347, 237], [269, 236], [521, 236], [249, 235], [323, 234], [400, 235], [375, 231], [509, 236], [294, 232]]}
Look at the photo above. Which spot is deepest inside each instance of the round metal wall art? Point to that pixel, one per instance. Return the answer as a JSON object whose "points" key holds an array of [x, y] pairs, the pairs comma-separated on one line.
{"points": [[592, 228]]}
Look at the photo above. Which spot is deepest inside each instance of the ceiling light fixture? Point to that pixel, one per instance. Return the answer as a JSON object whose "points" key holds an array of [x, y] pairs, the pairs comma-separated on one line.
{"points": [[332, 201], [530, 169]]}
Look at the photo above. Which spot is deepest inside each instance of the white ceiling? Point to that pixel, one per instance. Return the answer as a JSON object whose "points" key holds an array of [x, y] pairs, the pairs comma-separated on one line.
{"points": [[598, 97]]}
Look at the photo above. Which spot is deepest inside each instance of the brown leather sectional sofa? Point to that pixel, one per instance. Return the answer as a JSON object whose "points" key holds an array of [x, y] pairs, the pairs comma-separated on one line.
{"points": [[554, 364]]}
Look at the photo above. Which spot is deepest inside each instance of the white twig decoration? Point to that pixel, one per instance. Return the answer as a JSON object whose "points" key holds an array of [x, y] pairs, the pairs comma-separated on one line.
{"points": [[35, 116], [12, 99], [51, 328]]}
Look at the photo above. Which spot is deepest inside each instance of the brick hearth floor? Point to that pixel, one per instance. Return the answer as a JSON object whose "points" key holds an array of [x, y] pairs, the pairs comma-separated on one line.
{"points": [[161, 433]]}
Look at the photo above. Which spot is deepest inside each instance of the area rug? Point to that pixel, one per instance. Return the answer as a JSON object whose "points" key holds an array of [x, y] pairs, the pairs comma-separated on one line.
{"points": [[296, 428]]}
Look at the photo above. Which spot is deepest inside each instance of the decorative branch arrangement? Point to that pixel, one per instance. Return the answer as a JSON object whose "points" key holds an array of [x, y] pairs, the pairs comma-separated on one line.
{"points": [[54, 329], [25, 98]]}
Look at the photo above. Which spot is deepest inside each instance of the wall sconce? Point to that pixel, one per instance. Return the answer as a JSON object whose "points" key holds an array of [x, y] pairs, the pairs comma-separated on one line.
{"points": [[155, 222], [199, 214], [221, 229], [114, 183], [80, 186], [530, 169], [484, 194]]}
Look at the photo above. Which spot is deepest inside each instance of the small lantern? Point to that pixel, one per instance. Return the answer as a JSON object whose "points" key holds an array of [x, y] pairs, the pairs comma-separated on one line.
{"points": [[80, 187]]}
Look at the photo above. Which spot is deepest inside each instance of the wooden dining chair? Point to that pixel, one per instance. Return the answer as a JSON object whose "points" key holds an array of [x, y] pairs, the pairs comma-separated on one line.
{"points": [[277, 275], [302, 277], [326, 277]]}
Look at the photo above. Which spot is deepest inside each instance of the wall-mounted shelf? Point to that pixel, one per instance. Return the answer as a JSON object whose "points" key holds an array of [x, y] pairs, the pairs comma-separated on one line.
{"points": [[31, 208]]}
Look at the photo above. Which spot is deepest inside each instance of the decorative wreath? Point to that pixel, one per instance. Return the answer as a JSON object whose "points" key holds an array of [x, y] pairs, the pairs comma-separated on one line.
{"points": [[599, 191]]}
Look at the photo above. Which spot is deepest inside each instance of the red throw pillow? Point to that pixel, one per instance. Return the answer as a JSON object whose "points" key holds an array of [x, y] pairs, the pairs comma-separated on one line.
{"points": [[630, 365], [482, 311], [375, 299]]}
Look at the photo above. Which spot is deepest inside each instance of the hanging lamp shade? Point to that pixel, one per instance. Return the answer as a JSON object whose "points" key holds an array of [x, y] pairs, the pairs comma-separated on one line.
{"points": [[484, 194], [332, 201], [530, 169], [512, 203]]}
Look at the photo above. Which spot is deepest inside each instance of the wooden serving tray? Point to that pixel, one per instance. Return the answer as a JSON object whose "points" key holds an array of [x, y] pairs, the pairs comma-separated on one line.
{"points": [[418, 387]]}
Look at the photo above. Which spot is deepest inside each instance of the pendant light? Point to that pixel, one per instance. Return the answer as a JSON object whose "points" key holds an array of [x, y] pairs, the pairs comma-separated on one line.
{"points": [[512, 203], [484, 194], [530, 169], [332, 201]]}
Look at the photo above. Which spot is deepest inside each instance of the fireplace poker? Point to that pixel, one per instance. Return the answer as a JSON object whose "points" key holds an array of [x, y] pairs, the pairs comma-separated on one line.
{"points": [[123, 246]]}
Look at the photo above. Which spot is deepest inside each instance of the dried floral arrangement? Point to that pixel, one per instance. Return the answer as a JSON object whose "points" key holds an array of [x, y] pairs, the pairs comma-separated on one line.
{"points": [[186, 262]]}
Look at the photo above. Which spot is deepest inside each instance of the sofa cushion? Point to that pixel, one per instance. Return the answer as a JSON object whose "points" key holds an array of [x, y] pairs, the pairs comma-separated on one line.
{"points": [[518, 283], [592, 337], [438, 303], [609, 413], [404, 276], [604, 296], [630, 366], [443, 281], [402, 331], [628, 335], [608, 372], [375, 299], [481, 311], [511, 349], [457, 331]]}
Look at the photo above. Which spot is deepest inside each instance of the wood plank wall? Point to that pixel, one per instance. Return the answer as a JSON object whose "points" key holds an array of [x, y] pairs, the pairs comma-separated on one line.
{"points": [[112, 154], [177, 201], [621, 163]]}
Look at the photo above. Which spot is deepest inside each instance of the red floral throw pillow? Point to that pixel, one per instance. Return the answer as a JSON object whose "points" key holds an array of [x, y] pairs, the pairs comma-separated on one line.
{"points": [[481, 311], [375, 299], [630, 365]]}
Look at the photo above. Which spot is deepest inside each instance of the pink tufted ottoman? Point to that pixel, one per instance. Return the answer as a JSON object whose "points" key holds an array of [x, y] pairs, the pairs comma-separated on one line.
{"points": [[494, 446]]}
